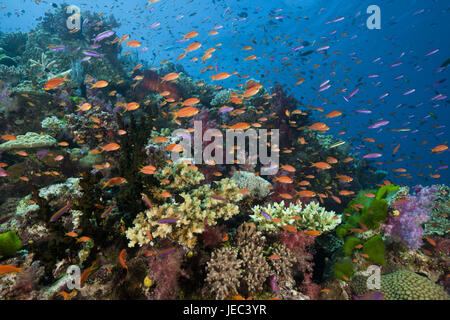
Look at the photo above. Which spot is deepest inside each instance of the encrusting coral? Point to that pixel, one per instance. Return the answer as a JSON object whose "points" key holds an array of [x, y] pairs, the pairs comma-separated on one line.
{"points": [[311, 217], [181, 221], [403, 285]]}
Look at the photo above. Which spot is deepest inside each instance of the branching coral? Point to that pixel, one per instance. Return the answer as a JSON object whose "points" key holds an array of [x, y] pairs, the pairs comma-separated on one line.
{"points": [[256, 269], [224, 273], [201, 206], [311, 217]]}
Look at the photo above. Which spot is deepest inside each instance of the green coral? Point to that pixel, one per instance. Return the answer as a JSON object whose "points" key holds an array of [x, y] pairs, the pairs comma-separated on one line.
{"points": [[9, 243], [376, 213], [344, 269], [349, 245], [311, 217], [52, 126], [439, 222], [257, 186], [28, 141], [375, 249], [387, 191], [402, 285]]}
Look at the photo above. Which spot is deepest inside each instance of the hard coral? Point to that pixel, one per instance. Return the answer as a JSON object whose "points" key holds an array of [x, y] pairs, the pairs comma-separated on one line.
{"points": [[224, 273]]}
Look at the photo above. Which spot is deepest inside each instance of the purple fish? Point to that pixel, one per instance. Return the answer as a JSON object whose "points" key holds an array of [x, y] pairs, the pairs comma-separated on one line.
{"points": [[372, 155], [438, 97], [353, 93], [364, 111], [60, 212], [383, 96], [85, 59], [370, 296], [396, 64], [155, 25], [324, 88], [93, 54], [379, 124], [443, 167], [323, 48], [297, 48], [373, 76], [432, 52], [41, 153], [95, 46], [168, 220], [218, 198], [3, 95], [335, 20], [409, 92], [103, 35], [162, 255], [60, 48], [108, 211], [144, 49], [226, 109], [183, 40], [266, 215], [218, 27]]}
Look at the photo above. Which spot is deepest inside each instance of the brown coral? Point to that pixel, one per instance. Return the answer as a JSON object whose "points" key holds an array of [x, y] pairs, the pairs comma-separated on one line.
{"points": [[223, 273]]}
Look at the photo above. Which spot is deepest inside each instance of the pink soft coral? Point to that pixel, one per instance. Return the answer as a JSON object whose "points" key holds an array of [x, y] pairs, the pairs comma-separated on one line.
{"points": [[301, 246]]}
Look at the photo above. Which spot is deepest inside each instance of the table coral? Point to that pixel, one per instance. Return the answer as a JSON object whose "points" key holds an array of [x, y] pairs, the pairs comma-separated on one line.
{"points": [[257, 186], [311, 217], [214, 202]]}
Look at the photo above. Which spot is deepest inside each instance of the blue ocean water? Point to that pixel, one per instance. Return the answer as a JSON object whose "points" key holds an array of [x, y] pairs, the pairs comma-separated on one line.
{"points": [[409, 30]]}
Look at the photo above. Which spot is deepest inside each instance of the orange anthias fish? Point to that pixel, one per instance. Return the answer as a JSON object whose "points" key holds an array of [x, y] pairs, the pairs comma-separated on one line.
{"points": [[100, 84], [186, 112], [439, 148], [122, 255], [220, 76], [240, 126], [110, 147], [114, 182], [8, 137], [4, 269], [284, 179], [148, 169], [190, 102], [321, 165], [313, 233], [289, 228], [333, 114], [306, 194], [193, 46], [54, 83], [133, 44]]}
